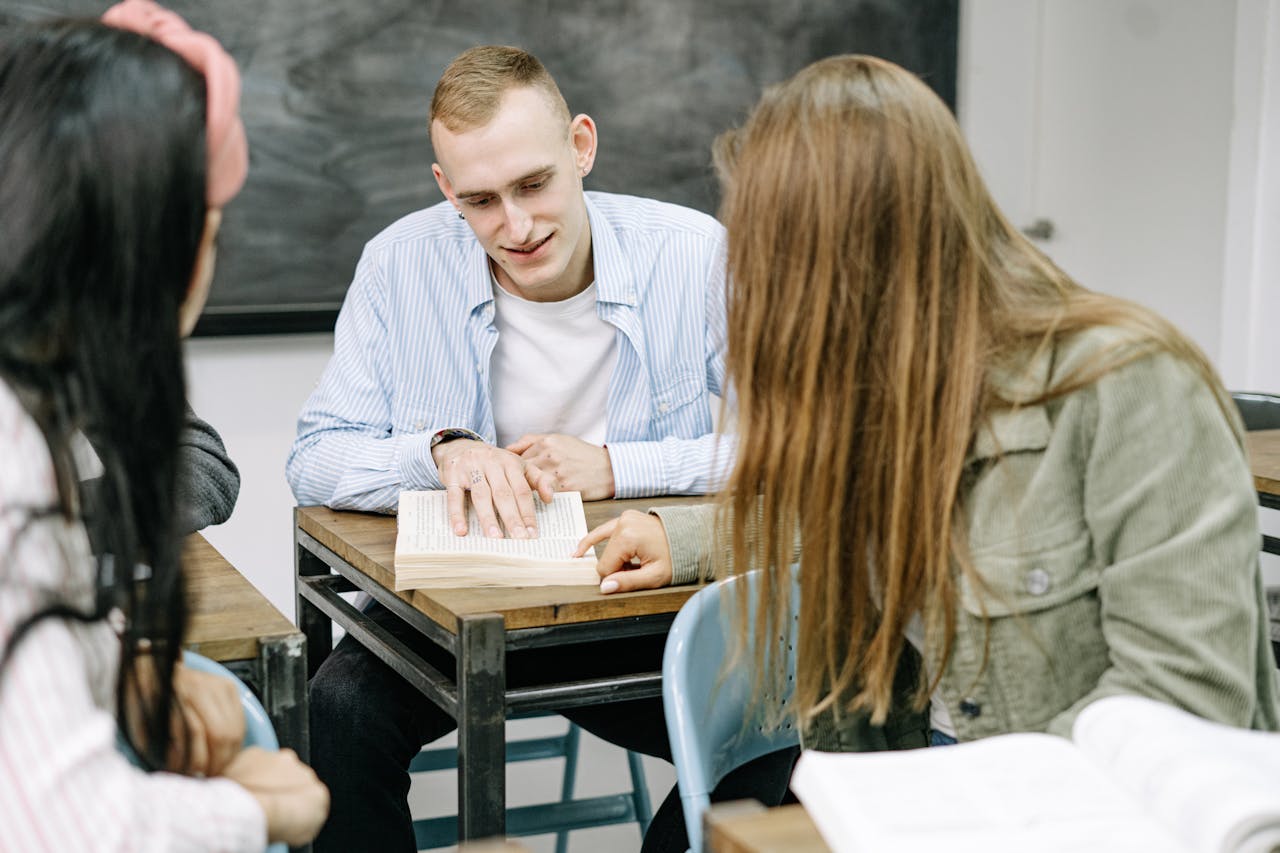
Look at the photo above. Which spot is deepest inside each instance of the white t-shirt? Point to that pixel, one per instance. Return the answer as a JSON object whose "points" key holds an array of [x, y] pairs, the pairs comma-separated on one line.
{"points": [[551, 367]]}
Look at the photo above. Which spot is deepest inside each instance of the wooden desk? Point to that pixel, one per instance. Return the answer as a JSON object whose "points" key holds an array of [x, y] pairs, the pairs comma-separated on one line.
{"points": [[477, 627], [1264, 462], [234, 624], [748, 827]]}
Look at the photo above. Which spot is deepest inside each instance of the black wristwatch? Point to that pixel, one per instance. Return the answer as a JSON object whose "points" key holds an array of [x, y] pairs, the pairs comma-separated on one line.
{"points": [[450, 433]]}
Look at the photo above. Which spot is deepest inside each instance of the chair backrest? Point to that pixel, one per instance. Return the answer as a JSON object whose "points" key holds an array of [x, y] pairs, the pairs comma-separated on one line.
{"points": [[1258, 410], [707, 705]]}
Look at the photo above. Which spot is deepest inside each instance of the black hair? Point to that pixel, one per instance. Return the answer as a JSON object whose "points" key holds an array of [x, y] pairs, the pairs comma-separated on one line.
{"points": [[102, 208]]}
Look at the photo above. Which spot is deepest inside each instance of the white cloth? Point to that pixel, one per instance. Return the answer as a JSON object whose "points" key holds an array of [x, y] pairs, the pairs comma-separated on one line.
{"points": [[551, 367], [63, 785]]}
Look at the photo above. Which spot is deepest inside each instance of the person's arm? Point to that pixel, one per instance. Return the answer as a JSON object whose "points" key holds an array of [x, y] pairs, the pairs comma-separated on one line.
{"points": [[685, 466], [63, 785], [1170, 506], [345, 455], [208, 481], [665, 546]]}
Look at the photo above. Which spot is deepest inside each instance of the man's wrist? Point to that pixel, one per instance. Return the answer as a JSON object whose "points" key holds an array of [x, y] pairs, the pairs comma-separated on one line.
{"points": [[452, 433]]}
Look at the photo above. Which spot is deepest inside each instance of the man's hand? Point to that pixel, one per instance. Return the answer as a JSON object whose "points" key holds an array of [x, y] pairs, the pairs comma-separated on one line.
{"points": [[501, 486], [576, 465], [638, 555]]}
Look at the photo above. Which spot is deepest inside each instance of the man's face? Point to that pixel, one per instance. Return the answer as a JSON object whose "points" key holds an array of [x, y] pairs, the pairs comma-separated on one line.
{"points": [[518, 182]]}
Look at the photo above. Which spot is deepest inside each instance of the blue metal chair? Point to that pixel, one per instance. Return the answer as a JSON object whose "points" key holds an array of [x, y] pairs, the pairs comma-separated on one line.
{"points": [[559, 817], [1261, 411], [707, 704], [258, 729], [1258, 410]]}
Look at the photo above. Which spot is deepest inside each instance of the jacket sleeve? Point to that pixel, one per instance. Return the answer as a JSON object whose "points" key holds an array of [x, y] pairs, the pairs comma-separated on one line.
{"points": [[208, 481], [691, 535], [1170, 507], [345, 455]]}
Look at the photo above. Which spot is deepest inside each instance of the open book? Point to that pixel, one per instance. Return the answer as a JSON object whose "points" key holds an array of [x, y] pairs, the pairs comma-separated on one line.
{"points": [[429, 553], [1137, 775]]}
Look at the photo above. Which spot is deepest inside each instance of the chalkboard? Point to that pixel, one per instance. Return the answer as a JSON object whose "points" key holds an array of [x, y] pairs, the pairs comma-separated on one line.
{"points": [[336, 94]]}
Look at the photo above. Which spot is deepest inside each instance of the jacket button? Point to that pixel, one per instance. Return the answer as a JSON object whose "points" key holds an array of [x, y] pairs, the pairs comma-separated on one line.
{"points": [[970, 708], [1038, 582]]}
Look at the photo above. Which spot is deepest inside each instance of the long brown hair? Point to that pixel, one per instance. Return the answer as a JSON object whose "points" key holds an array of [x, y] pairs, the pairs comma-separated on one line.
{"points": [[874, 286]]}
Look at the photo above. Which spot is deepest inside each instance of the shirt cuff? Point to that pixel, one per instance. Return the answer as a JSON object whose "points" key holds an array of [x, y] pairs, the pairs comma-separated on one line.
{"points": [[415, 463], [637, 469], [239, 824]]}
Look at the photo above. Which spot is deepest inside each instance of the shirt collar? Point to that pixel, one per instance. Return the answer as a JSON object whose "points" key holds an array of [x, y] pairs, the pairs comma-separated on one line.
{"points": [[613, 277]]}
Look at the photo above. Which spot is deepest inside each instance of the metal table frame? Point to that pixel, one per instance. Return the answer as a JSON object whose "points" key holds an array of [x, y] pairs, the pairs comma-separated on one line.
{"points": [[476, 695], [278, 676]]}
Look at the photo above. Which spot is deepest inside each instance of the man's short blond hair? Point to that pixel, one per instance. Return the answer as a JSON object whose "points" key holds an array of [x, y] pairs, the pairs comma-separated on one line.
{"points": [[471, 88]]}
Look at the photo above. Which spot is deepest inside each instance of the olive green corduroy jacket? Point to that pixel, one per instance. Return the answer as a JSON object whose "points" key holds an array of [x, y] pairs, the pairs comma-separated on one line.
{"points": [[1116, 530]]}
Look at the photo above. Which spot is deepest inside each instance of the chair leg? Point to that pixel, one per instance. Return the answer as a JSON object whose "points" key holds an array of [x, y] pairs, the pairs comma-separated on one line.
{"points": [[639, 792], [571, 739]]}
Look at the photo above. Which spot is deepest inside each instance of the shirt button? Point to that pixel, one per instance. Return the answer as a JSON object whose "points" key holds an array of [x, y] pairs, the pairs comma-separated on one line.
{"points": [[479, 368], [1038, 581], [662, 407], [970, 708], [418, 426]]}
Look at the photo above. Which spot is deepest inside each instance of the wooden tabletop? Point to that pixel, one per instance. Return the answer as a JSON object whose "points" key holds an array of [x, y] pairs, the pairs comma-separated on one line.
{"points": [[748, 827], [1264, 459], [368, 543], [228, 616]]}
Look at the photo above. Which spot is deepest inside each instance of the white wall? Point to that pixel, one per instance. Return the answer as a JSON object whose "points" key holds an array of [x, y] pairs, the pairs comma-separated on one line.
{"points": [[1251, 288], [251, 390]]}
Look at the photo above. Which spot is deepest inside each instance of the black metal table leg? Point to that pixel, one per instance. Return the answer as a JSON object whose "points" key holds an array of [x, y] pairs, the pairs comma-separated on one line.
{"points": [[482, 785], [284, 691], [314, 624]]}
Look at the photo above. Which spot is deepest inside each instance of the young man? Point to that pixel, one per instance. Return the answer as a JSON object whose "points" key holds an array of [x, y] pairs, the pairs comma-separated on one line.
{"points": [[521, 336]]}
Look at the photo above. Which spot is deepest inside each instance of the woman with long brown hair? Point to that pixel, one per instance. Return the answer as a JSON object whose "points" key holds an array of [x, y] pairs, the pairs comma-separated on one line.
{"points": [[1012, 495]]}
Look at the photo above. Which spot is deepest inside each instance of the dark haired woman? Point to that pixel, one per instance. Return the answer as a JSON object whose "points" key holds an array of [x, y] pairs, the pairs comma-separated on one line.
{"points": [[1014, 496], [119, 145]]}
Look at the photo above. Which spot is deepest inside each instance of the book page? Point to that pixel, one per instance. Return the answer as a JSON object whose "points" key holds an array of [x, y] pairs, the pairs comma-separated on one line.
{"points": [[423, 528], [1215, 785], [1009, 794]]}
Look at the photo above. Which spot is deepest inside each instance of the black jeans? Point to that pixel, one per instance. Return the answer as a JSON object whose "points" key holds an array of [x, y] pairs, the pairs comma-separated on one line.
{"points": [[367, 724]]}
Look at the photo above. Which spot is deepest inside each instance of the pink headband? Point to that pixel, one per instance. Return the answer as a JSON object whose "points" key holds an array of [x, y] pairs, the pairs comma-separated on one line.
{"points": [[224, 131]]}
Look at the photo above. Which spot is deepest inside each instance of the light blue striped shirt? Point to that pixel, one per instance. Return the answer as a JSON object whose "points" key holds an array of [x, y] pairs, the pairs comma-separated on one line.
{"points": [[413, 343]]}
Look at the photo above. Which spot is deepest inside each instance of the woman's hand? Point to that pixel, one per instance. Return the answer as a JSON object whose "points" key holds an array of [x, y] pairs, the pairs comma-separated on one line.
{"points": [[207, 707], [206, 728], [638, 555], [294, 801]]}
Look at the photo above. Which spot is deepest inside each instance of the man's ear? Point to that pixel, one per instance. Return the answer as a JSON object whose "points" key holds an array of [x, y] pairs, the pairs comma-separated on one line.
{"points": [[201, 274], [443, 183], [582, 135]]}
